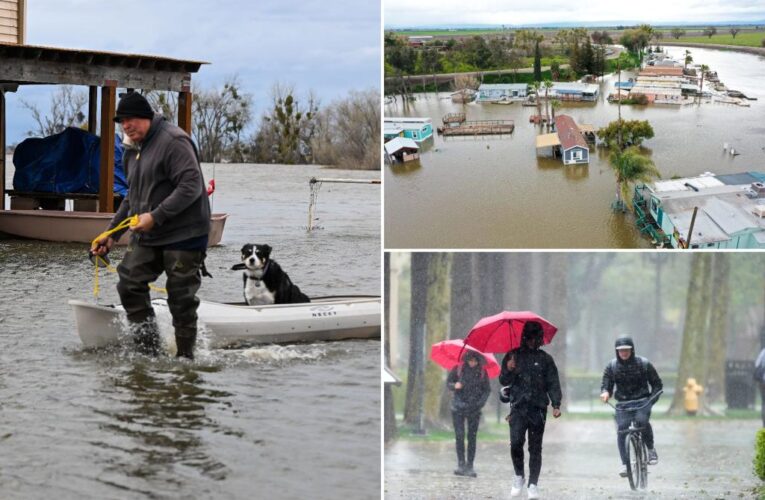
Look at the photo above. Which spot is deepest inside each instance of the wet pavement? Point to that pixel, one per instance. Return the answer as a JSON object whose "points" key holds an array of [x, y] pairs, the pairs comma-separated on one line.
{"points": [[697, 460]]}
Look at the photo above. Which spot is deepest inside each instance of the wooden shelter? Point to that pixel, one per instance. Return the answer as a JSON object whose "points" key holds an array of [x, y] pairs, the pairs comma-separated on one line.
{"points": [[103, 73]]}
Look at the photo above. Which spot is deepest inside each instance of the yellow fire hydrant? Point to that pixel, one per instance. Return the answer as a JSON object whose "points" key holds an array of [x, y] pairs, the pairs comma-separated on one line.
{"points": [[692, 391]]}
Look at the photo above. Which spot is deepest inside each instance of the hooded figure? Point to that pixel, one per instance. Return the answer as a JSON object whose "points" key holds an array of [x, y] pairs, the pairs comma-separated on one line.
{"points": [[635, 379], [634, 376], [531, 383], [470, 384]]}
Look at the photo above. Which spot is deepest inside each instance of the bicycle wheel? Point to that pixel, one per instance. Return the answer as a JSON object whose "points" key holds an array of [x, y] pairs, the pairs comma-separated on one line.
{"points": [[634, 460], [643, 466]]}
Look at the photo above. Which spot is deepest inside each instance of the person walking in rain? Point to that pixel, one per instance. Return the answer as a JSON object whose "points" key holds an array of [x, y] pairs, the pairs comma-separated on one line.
{"points": [[167, 193], [635, 378], [530, 381], [470, 384]]}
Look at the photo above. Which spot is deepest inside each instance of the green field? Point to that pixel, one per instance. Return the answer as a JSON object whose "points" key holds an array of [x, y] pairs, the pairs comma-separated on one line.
{"points": [[743, 39]]}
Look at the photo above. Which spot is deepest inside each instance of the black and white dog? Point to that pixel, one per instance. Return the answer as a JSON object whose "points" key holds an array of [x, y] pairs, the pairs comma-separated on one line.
{"points": [[264, 281]]}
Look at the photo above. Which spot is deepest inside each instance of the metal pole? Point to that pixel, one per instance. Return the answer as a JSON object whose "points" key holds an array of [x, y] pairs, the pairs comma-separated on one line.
{"points": [[690, 230]]}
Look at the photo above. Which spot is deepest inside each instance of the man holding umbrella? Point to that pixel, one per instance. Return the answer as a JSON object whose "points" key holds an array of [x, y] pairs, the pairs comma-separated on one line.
{"points": [[530, 380]]}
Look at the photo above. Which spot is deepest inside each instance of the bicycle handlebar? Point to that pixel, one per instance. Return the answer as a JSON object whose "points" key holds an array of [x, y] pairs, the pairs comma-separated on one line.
{"points": [[647, 402]]}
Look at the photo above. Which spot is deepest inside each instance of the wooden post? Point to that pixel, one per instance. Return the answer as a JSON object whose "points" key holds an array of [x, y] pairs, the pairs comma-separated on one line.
{"points": [[92, 109], [2, 149], [184, 111], [22, 22], [106, 176]]}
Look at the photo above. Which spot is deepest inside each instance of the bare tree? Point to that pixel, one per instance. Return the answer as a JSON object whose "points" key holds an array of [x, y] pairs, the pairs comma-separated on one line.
{"points": [[164, 103], [66, 110], [220, 117], [286, 131], [348, 132]]}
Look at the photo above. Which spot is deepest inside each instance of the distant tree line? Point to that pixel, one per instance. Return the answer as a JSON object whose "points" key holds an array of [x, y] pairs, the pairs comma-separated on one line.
{"points": [[292, 130]]}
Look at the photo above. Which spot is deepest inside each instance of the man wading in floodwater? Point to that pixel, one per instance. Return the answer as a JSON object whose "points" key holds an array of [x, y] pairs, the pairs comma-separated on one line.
{"points": [[167, 192]]}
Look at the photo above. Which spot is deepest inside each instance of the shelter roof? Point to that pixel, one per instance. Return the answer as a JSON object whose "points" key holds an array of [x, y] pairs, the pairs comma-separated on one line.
{"points": [[397, 144], [37, 64], [547, 140]]}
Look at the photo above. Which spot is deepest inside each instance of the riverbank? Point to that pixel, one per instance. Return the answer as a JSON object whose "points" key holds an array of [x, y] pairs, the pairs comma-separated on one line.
{"points": [[734, 48]]}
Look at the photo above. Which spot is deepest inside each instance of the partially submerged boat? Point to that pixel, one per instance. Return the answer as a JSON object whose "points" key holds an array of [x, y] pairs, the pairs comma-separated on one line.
{"points": [[324, 318], [76, 227]]}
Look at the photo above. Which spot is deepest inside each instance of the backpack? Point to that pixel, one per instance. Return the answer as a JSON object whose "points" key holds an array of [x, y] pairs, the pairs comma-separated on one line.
{"points": [[759, 368]]}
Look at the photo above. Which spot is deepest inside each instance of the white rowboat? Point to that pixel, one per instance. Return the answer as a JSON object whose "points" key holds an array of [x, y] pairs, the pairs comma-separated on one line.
{"points": [[325, 318]]}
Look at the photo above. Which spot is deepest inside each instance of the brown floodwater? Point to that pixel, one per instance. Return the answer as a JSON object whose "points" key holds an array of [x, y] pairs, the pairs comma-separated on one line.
{"points": [[497, 192]]}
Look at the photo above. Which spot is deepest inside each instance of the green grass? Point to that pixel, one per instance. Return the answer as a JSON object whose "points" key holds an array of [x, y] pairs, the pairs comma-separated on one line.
{"points": [[742, 39]]}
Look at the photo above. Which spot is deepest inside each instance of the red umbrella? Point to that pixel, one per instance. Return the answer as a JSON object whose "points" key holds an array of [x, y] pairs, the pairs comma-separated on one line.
{"points": [[449, 353], [502, 332]]}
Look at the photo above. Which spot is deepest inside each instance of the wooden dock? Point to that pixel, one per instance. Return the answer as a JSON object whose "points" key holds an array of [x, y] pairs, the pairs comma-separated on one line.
{"points": [[481, 127]]}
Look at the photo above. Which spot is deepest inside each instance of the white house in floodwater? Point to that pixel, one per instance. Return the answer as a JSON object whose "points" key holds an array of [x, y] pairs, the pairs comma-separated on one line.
{"points": [[730, 210], [489, 92]]}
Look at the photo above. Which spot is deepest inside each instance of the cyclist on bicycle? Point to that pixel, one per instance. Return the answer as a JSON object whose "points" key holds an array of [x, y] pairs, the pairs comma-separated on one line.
{"points": [[635, 379]]}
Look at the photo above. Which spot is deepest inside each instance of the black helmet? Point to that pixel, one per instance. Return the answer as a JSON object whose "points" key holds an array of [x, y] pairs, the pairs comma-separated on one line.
{"points": [[624, 342]]}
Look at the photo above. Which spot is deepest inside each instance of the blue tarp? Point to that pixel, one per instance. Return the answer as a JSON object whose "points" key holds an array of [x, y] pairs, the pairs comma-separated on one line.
{"points": [[67, 162]]}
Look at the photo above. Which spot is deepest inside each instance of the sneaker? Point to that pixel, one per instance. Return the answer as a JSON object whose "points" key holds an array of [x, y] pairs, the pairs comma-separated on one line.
{"points": [[533, 491], [623, 471], [515, 491], [469, 472], [653, 457], [460, 470]]}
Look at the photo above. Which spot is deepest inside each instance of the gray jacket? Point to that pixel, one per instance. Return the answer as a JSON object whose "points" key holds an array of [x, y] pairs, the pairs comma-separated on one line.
{"points": [[165, 179]]}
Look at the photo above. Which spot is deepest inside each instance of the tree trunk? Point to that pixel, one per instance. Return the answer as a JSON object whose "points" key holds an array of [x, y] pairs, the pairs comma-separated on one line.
{"points": [[715, 382], [436, 319], [415, 384], [692, 353], [389, 427], [555, 287]]}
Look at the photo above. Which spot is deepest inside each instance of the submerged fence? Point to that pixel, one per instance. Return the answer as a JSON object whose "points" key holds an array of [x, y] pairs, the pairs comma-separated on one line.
{"points": [[315, 184]]}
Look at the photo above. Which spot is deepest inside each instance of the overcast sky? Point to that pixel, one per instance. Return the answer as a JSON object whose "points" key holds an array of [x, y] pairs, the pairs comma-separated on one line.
{"points": [[330, 47], [405, 13]]}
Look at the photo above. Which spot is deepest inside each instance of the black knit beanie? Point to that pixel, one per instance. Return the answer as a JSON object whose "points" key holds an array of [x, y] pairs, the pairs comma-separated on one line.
{"points": [[133, 105]]}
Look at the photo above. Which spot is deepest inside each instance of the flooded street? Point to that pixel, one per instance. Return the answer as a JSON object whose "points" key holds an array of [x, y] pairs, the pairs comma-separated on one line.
{"points": [[298, 421], [497, 192], [697, 460]]}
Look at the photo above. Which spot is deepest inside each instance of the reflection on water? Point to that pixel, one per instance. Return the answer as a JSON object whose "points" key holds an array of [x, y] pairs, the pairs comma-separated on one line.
{"points": [[498, 191], [161, 408]]}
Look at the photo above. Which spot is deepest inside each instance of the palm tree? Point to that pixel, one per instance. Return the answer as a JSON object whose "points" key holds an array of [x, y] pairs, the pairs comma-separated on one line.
{"points": [[688, 58], [548, 85], [704, 69], [536, 86], [554, 104], [630, 167]]}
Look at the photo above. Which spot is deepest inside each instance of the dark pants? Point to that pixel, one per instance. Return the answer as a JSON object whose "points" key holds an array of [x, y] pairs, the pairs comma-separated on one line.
{"points": [[472, 420], [142, 265], [623, 419], [531, 420]]}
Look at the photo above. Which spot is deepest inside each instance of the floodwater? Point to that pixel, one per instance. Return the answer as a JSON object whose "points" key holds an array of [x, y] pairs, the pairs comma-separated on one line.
{"points": [[297, 421], [497, 192], [697, 460]]}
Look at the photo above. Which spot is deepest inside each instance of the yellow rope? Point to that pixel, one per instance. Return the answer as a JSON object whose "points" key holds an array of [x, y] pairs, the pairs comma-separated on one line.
{"points": [[129, 222]]}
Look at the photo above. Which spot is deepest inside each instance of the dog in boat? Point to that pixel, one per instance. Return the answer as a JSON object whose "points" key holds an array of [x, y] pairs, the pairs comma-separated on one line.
{"points": [[264, 280]]}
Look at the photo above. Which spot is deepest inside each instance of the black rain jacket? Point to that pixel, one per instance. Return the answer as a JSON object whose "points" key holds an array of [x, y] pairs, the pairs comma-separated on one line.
{"points": [[475, 388], [534, 382]]}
